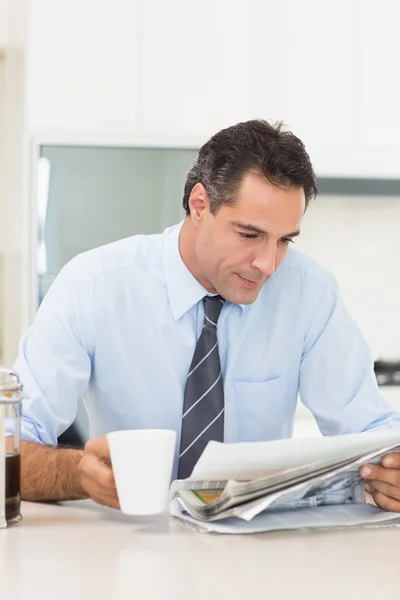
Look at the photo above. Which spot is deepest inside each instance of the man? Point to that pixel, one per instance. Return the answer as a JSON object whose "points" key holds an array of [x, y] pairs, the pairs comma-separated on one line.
{"points": [[211, 329]]}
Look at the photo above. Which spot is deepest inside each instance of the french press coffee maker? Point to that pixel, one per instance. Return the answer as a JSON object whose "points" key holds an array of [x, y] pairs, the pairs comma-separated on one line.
{"points": [[10, 442]]}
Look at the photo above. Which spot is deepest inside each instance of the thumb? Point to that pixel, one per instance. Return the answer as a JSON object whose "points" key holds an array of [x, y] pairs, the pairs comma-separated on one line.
{"points": [[99, 447], [392, 460]]}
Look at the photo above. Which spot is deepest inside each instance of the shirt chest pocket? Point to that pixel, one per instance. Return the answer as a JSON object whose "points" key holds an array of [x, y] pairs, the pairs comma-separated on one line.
{"points": [[260, 411]]}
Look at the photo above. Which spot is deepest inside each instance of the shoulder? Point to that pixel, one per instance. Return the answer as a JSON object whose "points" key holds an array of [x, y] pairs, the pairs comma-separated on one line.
{"points": [[300, 267], [302, 280], [113, 260]]}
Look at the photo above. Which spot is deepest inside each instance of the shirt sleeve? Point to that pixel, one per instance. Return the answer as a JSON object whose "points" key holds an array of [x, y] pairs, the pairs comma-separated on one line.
{"points": [[337, 380], [53, 365]]}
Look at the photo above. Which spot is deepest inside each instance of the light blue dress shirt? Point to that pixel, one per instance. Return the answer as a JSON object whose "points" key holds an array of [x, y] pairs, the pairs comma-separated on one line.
{"points": [[120, 324]]}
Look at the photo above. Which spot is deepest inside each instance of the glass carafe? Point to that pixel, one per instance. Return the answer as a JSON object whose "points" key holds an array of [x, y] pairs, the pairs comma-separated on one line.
{"points": [[10, 442]]}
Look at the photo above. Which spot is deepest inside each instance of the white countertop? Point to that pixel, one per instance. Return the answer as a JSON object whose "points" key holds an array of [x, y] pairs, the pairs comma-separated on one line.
{"points": [[82, 551]]}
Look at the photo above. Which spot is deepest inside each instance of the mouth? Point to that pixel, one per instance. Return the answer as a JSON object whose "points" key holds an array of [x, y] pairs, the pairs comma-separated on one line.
{"points": [[249, 283]]}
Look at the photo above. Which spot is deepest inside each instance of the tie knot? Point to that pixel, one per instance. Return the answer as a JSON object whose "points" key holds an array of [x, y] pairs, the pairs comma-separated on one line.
{"points": [[212, 309]]}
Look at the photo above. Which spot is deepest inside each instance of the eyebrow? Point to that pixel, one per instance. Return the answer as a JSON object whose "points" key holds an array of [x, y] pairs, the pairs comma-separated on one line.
{"points": [[254, 229]]}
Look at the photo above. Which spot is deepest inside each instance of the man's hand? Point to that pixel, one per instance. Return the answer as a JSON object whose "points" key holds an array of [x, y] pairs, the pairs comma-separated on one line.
{"points": [[384, 482], [96, 474]]}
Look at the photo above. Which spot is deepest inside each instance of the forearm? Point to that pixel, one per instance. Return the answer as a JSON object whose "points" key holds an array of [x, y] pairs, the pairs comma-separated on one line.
{"points": [[50, 474]]}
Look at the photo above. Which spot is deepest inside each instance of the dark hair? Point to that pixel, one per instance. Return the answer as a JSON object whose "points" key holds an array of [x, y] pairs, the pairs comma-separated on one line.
{"points": [[251, 146]]}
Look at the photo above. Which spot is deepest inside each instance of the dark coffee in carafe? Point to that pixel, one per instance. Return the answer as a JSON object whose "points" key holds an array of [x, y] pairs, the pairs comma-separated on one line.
{"points": [[11, 397], [13, 477]]}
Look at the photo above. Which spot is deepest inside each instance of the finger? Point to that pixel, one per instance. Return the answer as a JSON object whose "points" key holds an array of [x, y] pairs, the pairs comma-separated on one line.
{"points": [[99, 447], [101, 495], [385, 502], [392, 460], [104, 497], [95, 470], [386, 489], [106, 501], [391, 476]]}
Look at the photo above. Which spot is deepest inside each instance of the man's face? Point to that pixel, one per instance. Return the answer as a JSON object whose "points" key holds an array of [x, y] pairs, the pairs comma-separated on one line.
{"points": [[240, 247]]}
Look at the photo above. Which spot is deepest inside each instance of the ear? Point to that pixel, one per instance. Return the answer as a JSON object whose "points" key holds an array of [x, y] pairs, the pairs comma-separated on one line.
{"points": [[198, 203]]}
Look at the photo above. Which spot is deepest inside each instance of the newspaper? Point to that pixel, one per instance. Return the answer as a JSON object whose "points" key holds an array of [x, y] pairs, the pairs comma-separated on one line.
{"points": [[246, 487]]}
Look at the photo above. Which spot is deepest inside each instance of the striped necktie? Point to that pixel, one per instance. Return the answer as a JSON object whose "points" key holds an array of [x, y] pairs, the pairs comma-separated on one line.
{"points": [[203, 408]]}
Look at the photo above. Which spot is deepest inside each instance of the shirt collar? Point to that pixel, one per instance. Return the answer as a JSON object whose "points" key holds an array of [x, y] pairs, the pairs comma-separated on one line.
{"points": [[184, 290]]}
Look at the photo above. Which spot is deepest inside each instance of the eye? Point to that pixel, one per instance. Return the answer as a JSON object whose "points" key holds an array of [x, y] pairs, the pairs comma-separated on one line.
{"points": [[286, 241], [248, 236]]}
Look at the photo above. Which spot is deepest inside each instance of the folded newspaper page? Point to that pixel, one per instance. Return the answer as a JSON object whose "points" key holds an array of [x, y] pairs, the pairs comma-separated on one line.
{"points": [[256, 486]]}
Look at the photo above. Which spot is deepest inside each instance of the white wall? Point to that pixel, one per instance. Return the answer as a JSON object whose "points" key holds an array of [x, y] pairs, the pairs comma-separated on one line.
{"points": [[330, 69], [2, 198], [82, 64], [3, 24], [12, 59]]}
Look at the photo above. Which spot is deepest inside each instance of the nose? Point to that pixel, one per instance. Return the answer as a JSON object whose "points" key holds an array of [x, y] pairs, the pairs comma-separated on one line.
{"points": [[265, 261]]}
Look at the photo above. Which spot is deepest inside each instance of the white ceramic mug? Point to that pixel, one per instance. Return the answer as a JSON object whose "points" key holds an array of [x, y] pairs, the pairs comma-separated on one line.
{"points": [[142, 461]]}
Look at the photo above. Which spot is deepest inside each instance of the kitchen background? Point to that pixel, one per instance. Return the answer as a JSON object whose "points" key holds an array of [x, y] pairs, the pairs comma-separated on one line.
{"points": [[85, 85]]}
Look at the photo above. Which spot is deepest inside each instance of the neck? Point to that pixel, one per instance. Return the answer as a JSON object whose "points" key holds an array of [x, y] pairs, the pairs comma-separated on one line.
{"points": [[187, 250]]}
